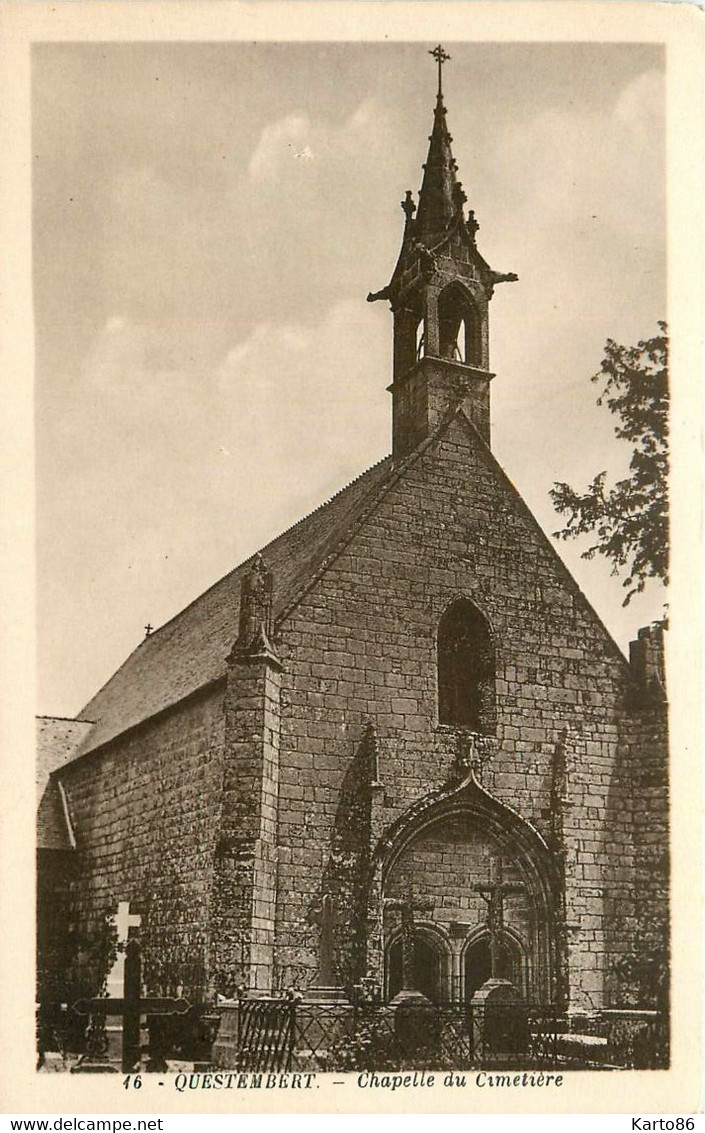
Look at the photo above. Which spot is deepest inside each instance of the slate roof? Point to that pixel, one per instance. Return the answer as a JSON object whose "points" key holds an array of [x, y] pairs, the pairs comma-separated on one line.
{"points": [[58, 740], [189, 651], [53, 831]]}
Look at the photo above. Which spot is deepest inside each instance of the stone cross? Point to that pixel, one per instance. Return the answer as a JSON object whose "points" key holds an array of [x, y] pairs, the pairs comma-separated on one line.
{"points": [[408, 906], [123, 920], [131, 1006], [493, 893], [326, 916]]}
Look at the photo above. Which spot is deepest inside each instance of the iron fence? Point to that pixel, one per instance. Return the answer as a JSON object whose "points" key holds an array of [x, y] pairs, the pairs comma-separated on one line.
{"points": [[290, 1034], [294, 1035]]}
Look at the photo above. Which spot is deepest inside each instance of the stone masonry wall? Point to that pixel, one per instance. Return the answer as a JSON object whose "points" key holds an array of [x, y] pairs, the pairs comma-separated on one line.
{"points": [[442, 865], [148, 806], [361, 645], [644, 978]]}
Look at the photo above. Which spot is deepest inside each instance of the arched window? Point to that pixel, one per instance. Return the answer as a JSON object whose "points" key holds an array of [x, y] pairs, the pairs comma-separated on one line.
{"points": [[466, 669], [459, 327]]}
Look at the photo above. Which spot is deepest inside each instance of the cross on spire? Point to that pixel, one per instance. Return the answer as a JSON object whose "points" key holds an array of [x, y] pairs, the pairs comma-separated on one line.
{"points": [[441, 57]]}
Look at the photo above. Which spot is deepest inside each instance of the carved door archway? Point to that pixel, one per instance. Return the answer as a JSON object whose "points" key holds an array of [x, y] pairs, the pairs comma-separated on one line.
{"points": [[426, 845]]}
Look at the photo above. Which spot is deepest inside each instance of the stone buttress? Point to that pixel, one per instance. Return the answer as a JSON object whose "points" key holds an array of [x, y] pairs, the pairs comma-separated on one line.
{"points": [[244, 891]]}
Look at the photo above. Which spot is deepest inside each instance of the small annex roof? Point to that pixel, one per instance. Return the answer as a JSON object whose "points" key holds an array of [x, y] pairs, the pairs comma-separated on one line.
{"points": [[58, 740], [189, 652], [54, 830]]}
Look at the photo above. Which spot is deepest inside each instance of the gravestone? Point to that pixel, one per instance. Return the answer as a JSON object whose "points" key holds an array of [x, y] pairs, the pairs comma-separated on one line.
{"points": [[325, 1016], [499, 1015], [130, 1008], [226, 1045], [122, 921], [415, 1017], [326, 985], [408, 906], [493, 893], [499, 1021]]}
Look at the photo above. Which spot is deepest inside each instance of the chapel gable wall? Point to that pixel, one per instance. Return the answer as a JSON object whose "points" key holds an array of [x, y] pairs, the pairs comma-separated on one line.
{"points": [[361, 646]]}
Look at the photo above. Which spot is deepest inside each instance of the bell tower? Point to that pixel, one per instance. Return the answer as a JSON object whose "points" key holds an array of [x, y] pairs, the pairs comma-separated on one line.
{"points": [[439, 295]]}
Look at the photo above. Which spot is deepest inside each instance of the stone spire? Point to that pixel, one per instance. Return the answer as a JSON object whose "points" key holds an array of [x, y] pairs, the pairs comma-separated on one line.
{"points": [[441, 197], [439, 295]]}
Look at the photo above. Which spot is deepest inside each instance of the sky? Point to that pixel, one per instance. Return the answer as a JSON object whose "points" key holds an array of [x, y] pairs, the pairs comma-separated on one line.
{"points": [[208, 220]]}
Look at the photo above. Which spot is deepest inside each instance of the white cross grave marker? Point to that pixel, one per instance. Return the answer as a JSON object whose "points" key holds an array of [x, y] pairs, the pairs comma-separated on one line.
{"points": [[123, 921]]}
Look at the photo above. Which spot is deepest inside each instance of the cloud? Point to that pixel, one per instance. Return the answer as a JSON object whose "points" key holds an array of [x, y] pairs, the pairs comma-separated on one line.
{"points": [[296, 137], [279, 142], [305, 393], [640, 104], [173, 478], [306, 216], [587, 168], [293, 393], [230, 382], [116, 360], [290, 413], [581, 199]]}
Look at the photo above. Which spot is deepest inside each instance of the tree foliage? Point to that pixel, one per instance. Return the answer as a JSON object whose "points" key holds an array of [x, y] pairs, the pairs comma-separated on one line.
{"points": [[629, 521]]}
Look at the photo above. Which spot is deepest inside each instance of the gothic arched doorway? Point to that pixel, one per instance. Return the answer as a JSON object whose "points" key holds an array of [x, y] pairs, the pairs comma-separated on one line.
{"points": [[449, 857], [429, 972]]}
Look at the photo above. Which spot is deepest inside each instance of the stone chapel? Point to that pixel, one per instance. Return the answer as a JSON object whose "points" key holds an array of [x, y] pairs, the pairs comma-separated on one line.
{"points": [[404, 692]]}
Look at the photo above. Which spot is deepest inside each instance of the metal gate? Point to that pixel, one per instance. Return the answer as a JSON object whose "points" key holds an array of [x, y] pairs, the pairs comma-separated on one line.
{"points": [[266, 1034]]}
